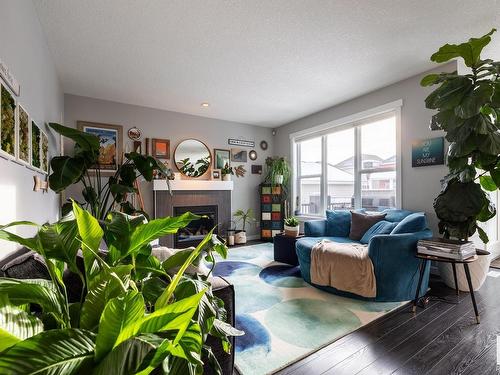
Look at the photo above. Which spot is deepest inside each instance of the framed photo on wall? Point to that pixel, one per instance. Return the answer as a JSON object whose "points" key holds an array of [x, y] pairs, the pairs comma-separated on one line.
{"points": [[110, 142], [238, 155], [216, 174], [221, 158], [8, 110], [160, 148]]}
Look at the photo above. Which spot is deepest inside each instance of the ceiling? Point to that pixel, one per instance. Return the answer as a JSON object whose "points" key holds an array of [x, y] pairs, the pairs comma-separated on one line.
{"points": [[261, 62]]}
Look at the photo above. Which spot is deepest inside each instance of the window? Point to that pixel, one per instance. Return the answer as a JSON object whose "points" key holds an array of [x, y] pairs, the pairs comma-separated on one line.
{"points": [[350, 166]]}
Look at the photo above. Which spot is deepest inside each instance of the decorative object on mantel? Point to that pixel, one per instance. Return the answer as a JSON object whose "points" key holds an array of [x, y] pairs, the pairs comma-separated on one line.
{"points": [[245, 217], [263, 145], [240, 171], [192, 158], [134, 133], [226, 172], [9, 79], [216, 174], [40, 184], [238, 155], [160, 148], [99, 198], [466, 110], [23, 136], [7, 122], [256, 168], [221, 158], [240, 142], [35, 145], [292, 226], [252, 155], [110, 145], [427, 152]]}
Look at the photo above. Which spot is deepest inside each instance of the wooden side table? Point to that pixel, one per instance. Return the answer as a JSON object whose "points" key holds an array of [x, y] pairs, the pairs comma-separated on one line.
{"points": [[453, 262]]}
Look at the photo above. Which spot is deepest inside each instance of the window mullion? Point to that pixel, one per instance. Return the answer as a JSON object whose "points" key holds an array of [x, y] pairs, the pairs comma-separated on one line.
{"points": [[324, 173], [357, 167]]}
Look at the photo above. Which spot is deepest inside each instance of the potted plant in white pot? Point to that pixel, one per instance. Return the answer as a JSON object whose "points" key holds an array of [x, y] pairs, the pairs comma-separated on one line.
{"points": [[292, 226], [468, 110], [226, 172], [245, 217]]}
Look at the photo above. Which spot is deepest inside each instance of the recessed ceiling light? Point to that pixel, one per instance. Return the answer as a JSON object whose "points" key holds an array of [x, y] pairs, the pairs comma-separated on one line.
{"points": [[205, 104]]}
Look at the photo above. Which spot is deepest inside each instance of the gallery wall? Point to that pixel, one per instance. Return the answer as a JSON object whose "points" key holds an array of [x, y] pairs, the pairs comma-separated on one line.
{"points": [[155, 123], [419, 185], [24, 50]]}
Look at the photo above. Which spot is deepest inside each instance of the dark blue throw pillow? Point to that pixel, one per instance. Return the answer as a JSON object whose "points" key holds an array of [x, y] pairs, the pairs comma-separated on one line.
{"points": [[382, 227], [338, 222], [411, 224]]}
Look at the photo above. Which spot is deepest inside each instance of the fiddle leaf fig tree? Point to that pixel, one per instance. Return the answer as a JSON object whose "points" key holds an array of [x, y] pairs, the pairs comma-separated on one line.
{"points": [[468, 110]]}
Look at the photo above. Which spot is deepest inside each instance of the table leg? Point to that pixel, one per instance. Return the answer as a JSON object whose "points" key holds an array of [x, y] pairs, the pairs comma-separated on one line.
{"points": [[455, 277], [423, 263], [467, 274]]}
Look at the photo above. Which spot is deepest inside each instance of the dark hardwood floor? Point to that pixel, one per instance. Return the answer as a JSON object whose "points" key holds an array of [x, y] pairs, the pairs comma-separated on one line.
{"points": [[441, 339]]}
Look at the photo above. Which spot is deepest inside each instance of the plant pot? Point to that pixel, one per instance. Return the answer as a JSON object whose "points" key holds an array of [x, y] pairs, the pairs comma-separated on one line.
{"points": [[278, 179], [478, 272], [291, 231], [240, 238], [226, 177]]}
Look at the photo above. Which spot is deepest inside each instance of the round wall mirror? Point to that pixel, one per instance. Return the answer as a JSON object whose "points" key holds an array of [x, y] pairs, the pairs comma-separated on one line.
{"points": [[192, 158]]}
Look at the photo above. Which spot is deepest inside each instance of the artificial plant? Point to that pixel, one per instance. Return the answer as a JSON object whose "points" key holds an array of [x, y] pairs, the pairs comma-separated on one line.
{"points": [[101, 196], [135, 314], [468, 110], [244, 217]]}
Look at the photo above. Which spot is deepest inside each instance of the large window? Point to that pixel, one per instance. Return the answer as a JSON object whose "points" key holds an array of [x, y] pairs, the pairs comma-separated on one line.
{"points": [[350, 166]]}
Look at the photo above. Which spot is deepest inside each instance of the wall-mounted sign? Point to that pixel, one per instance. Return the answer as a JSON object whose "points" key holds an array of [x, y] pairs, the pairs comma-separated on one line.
{"points": [[427, 152], [240, 142], [9, 79]]}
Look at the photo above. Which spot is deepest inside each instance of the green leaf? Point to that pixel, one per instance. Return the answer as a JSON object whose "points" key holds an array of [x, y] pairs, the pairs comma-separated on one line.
{"points": [[90, 233], [90, 196], [432, 79], [495, 175], [66, 170], [152, 288], [146, 165], [449, 94], [119, 228], [85, 141], [472, 103], [470, 51], [487, 183], [119, 312], [178, 259], [450, 205], [212, 360], [483, 235], [53, 352]]}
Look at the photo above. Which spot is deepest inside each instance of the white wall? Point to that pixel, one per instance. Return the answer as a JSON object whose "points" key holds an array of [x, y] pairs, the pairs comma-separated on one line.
{"points": [[419, 185], [24, 50], [176, 126]]}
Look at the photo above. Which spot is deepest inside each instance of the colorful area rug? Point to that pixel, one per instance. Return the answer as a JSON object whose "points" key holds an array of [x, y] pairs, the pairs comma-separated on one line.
{"points": [[284, 318]]}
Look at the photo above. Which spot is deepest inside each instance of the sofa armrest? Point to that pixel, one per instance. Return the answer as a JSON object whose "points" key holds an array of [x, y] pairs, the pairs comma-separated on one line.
{"points": [[315, 228]]}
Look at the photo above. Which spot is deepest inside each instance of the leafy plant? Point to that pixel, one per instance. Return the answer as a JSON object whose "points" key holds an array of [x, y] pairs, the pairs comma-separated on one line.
{"points": [[226, 170], [291, 221], [195, 169], [468, 110], [135, 314], [100, 197], [244, 217], [275, 167]]}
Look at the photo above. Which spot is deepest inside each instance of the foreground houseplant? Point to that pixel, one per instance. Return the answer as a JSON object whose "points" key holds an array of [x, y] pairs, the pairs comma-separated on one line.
{"points": [[468, 110], [292, 226], [135, 315], [243, 217]]}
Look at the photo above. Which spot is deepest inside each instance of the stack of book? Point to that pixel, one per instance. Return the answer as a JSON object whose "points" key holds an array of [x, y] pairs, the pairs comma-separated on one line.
{"points": [[443, 248]]}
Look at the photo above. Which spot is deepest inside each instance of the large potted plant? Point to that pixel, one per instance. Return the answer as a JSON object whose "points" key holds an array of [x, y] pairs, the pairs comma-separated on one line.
{"points": [[278, 171], [243, 217], [468, 110]]}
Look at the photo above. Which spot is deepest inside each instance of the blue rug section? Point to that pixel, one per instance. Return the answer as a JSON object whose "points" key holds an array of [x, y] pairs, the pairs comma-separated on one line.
{"points": [[256, 334], [229, 268]]}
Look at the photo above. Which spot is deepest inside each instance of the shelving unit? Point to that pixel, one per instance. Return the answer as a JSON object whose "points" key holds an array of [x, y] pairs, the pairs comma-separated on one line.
{"points": [[272, 211]]}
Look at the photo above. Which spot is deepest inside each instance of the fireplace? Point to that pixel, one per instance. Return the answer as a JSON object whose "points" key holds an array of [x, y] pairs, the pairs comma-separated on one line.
{"points": [[196, 230]]}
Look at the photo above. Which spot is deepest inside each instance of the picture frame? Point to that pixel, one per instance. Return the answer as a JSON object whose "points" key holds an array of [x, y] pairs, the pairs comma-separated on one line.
{"points": [[160, 148], [44, 152], [8, 122], [36, 135], [256, 168], [111, 144], [427, 152], [221, 158], [216, 174], [239, 155], [240, 142], [23, 136]]}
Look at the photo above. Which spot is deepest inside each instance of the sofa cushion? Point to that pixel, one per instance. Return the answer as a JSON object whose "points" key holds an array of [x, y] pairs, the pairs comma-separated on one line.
{"points": [[415, 222], [29, 265], [382, 227], [361, 222], [394, 215], [338, 222], [315, 228]]}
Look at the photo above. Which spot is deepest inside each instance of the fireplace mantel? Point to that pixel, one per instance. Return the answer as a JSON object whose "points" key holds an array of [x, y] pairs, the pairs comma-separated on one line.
{"points": [[193, 185]]}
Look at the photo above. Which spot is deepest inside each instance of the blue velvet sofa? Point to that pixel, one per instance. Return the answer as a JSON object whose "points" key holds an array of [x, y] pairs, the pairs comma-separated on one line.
{"points": [[391, 248]]}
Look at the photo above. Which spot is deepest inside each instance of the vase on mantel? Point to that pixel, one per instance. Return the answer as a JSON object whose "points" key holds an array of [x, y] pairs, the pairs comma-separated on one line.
{"points": [[226, 177]]}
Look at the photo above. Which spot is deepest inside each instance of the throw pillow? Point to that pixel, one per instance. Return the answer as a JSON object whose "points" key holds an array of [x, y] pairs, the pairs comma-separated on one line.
{"points": [[382, 227], [395, 215], [29, 265], [361, 222], [163, 253], [411, 224], [338, 222]]}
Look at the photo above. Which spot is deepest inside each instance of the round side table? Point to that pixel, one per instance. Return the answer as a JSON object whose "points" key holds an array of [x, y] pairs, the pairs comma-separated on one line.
{"points": [[453, 262]]}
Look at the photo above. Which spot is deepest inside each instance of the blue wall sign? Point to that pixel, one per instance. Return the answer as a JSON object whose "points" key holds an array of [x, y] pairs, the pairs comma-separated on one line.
{"points": [[427, 152]]}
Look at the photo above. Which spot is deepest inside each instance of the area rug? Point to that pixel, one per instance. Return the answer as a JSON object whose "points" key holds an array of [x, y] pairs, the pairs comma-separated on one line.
{"points": [[284, 318]]}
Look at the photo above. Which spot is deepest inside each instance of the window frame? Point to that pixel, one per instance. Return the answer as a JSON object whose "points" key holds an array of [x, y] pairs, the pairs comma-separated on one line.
{"points": [[354, 121]]}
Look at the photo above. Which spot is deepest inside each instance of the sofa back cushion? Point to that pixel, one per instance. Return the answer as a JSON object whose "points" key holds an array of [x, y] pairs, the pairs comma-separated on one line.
{"points": [[395, 215], [382, 227], [412, 223], [338, 222], [361, 222]]}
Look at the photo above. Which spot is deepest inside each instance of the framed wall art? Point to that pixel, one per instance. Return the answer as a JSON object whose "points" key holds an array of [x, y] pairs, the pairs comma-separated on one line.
{"points": [[238, 155], [216, 174], [23, 136], [240, 142], [111, 144], [35, 145], [160, 148], [44, 152], [427, 152], [8, 109], [221, 158]]}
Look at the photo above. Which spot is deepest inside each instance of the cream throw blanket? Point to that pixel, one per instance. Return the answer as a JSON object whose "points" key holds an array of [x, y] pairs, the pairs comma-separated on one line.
{"points": [[344, 266]]}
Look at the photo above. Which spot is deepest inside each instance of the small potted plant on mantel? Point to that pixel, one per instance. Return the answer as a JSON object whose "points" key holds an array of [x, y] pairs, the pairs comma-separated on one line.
{"points": [[291, 226], [245, 217], [226, 172]]}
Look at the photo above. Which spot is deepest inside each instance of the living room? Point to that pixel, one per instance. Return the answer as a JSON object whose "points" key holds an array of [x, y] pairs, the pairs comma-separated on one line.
{"points": [[259, 187]]}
